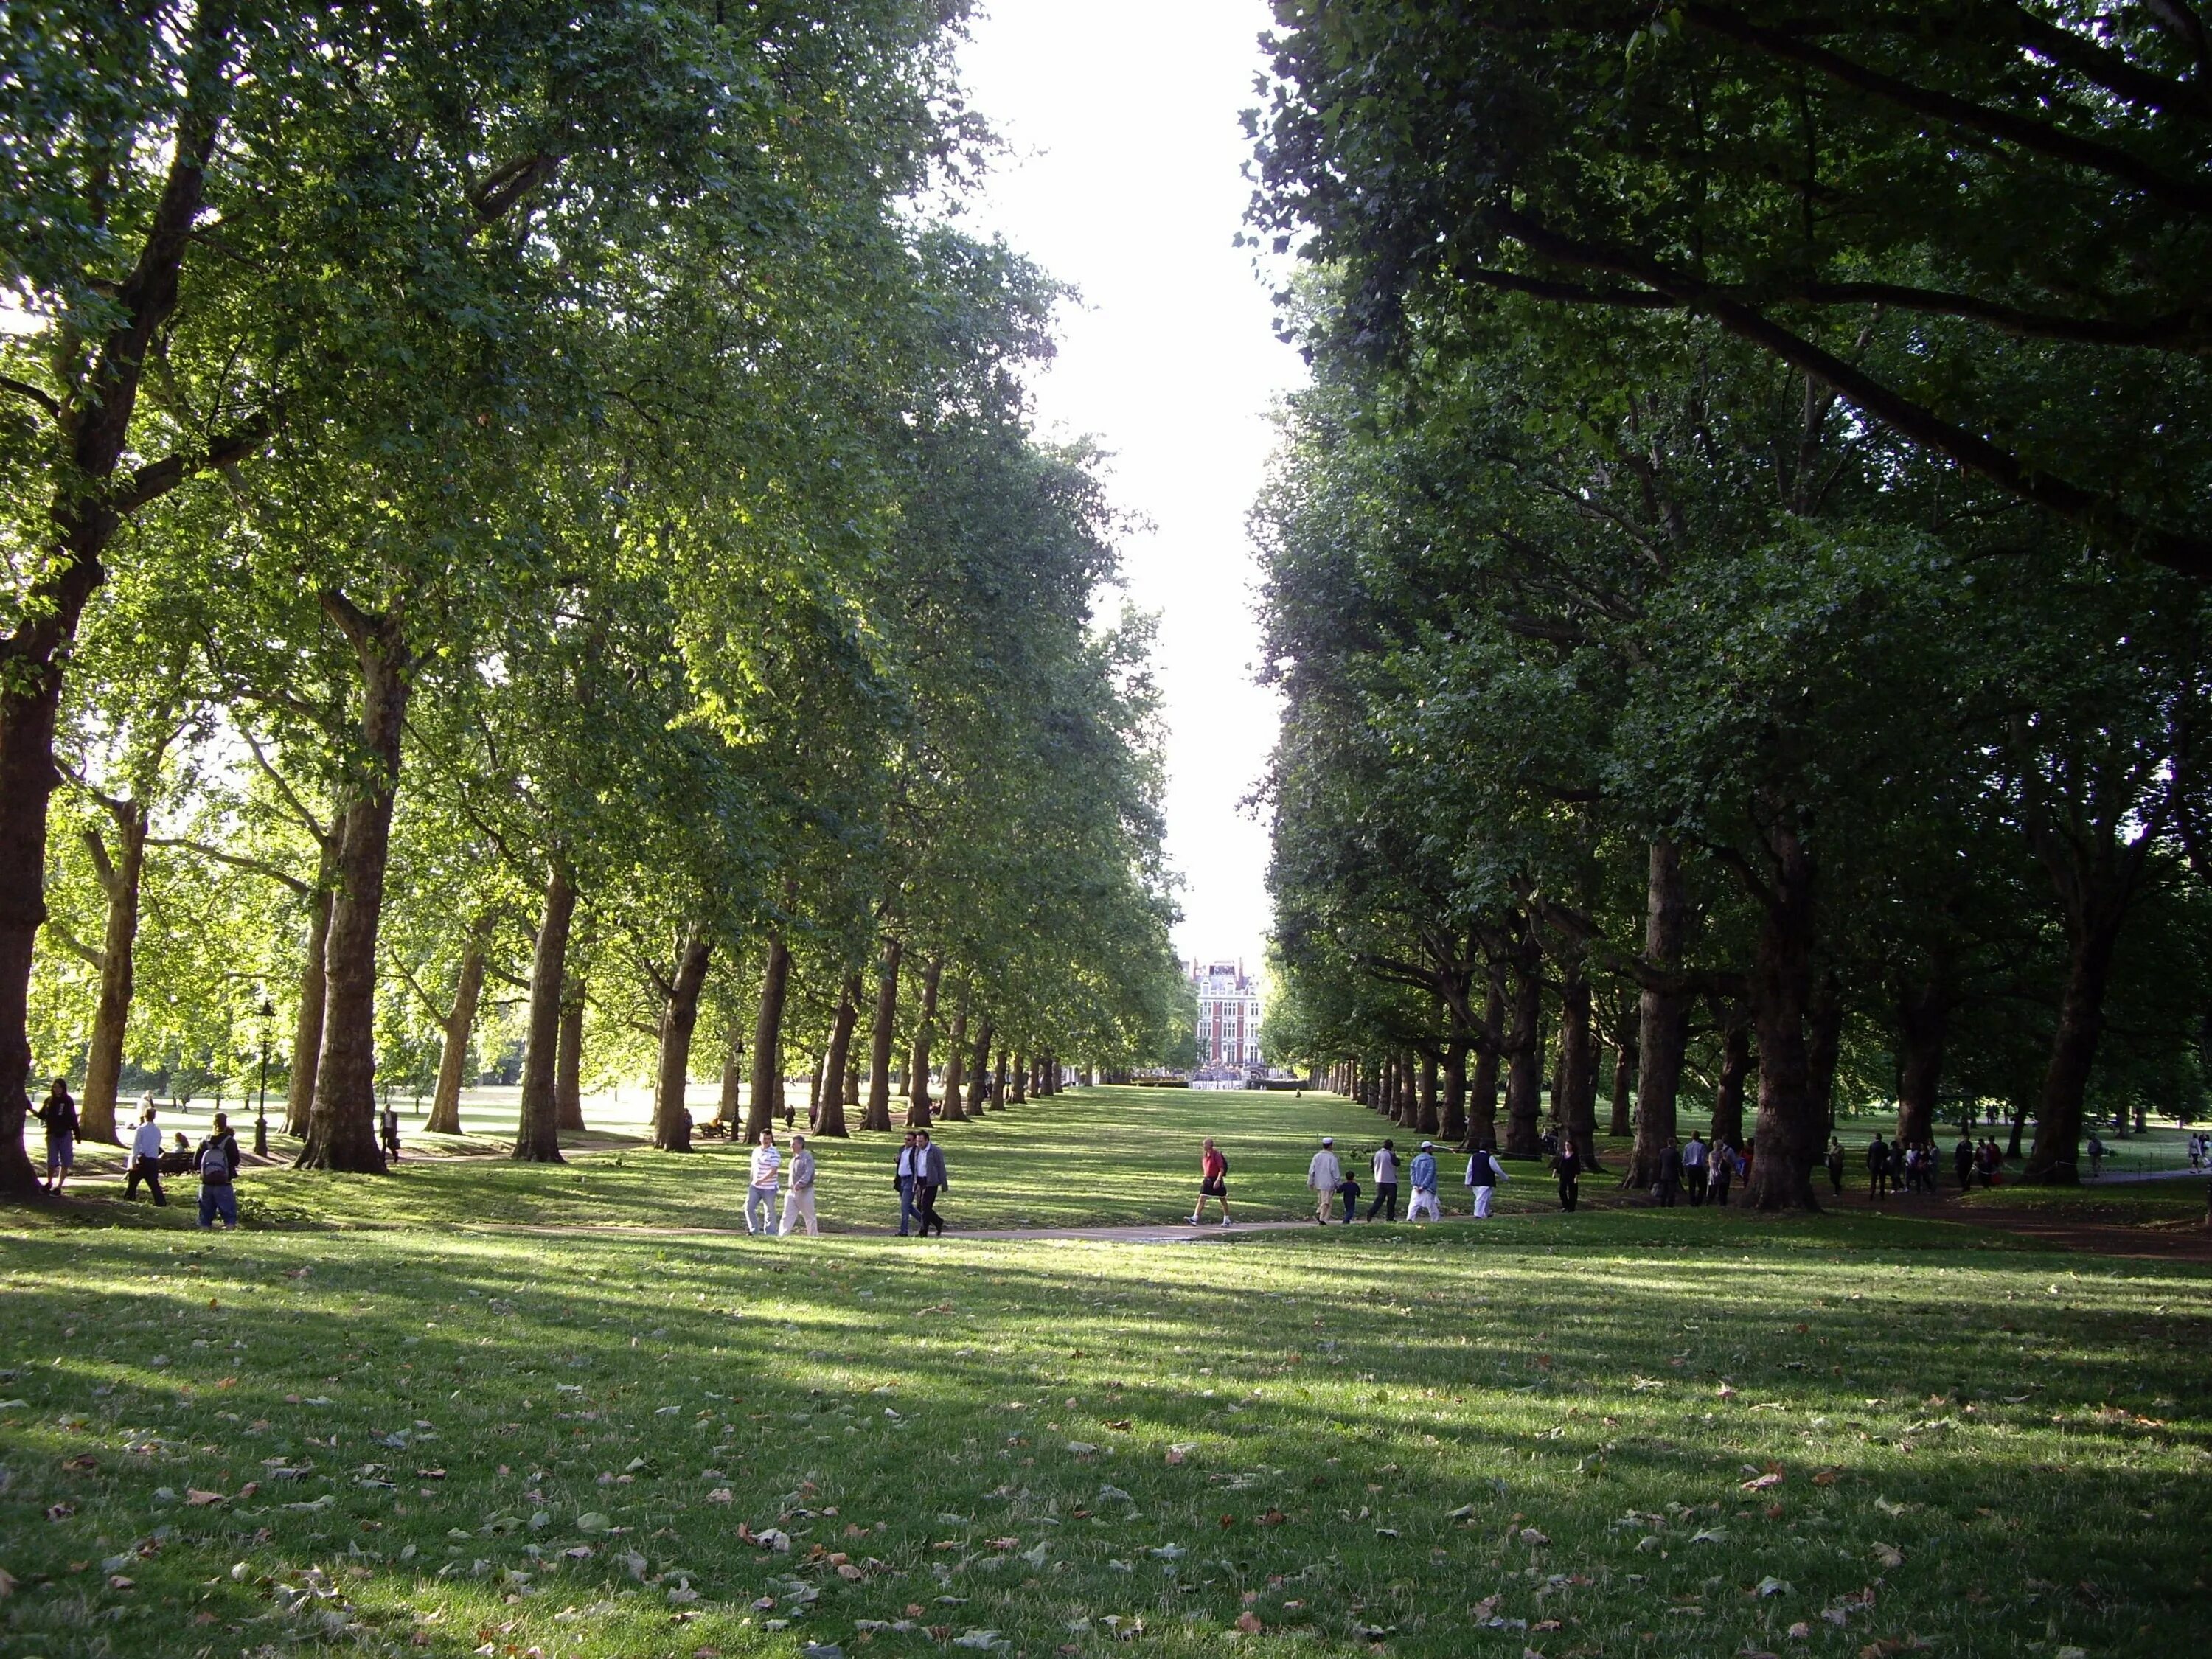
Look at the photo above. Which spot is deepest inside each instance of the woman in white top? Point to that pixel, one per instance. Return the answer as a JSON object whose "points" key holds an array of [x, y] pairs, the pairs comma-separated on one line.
{"points": [[760, 1195]]}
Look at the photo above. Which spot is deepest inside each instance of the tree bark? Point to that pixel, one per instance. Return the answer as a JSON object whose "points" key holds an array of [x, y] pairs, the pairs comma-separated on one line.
{"points": [[568, 1059], [2054, 1159], [1579, 1069], [955, 1110], [1524, 1071], [672, 1117], [1021, 1079], [538, 1135], [766, 1103], [1428, 1120], [120, 879], [979, 1070], [85, 515], [1451, 1116], [830, 1119], [1735, 1072], [1623, 1084], [1790, 1135], [342, 1124], [1482, 1094], [308, 1029], [925, 1039], [881, 1038], [1923, 1019], [1663, 1013], [1824, 1046], [1002, 1081], [453, 1054], [733, 1070]]}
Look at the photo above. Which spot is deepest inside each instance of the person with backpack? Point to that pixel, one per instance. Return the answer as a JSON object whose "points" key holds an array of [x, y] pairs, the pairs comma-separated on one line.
{"points": [[1386, 1182], [218, 1158], [1424, 1173], [59, 1116], [1212, 1182], [1323, 1176], [1483, 1175]]}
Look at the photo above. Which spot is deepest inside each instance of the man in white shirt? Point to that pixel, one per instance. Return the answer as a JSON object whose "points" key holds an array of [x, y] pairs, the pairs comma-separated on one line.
{"points": [[1693, 1168], [145, 1157], [1386, 1182], [760, 1195], [1325, 1175]]}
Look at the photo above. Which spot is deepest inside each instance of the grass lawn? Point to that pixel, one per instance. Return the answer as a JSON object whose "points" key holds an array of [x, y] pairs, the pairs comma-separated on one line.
{"points": [[1623, 1432]]}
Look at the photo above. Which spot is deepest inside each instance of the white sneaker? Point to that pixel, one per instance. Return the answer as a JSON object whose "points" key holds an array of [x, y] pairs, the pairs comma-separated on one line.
{"points": [[1224, 1221], [1194, 1221]]}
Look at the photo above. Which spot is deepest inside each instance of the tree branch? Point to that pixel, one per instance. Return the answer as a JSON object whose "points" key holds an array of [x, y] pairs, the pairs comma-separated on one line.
{"points": [[238, 861]]}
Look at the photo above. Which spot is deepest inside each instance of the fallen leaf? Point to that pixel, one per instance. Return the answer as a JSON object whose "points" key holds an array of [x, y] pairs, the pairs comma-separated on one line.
{"points": [[1888, 1555], [197, 1499], [1249, 1624], [1530, 1536], [1800, 1632]]}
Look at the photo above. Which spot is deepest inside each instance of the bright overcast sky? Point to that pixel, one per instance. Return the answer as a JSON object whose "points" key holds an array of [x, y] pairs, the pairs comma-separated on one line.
{"points": [[1124, 177]]}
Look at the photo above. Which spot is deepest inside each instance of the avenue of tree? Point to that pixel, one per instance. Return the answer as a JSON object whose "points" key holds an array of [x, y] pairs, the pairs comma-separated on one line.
{"points": [[1737, 577], [523, 514]]}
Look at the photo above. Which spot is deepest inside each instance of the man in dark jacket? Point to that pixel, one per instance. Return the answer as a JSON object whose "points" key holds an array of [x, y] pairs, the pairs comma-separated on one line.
{"points": [[217, 1159], [1669, 1182], [1962, 1161], [1878, 1167], [59, 1116], [931, 1180]]}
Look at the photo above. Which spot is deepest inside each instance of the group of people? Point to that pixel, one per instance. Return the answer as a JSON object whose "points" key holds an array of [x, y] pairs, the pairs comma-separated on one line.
{"points": [[1705, 1171], [1915, 1166], [2200, 1150], [1332, 1185]]}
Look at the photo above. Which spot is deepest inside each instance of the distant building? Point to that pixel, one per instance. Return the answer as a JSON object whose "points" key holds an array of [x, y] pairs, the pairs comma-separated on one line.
{"points": [[1228, 1017]]}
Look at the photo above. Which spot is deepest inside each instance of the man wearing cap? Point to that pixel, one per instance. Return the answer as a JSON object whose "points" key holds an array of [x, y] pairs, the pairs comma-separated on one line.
{"points": [[1325, 1175], [1422, 1173]]}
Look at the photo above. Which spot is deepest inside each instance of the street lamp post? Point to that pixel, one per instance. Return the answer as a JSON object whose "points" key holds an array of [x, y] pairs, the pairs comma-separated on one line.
{"points": [[267, 1011]]}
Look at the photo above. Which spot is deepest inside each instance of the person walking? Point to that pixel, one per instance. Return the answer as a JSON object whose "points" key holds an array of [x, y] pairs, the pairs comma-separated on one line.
{"points": [[1989, 1161], [58, 1114], [1483, 1175], [1424, 1174], [218, 1164], [909, 1183], [1836, 1166], [390, 1131], [1386, 1182], [145, 1156], [1212, 1182], [760, 1192], [1722, 1157], [1668, 1183], [1878, 1167], [1962, 1161], [1567, 1165], [1693, 1169], [1324, 1176], [2096, 1155], [799, 1190], [930, 1180]]}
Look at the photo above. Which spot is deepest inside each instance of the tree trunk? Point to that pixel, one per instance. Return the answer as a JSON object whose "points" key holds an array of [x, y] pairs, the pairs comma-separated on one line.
{"points": [[1923, 1019], [1451, 1117], [955, 1110], [120, 879], [1021, 1079], [979, 1070], [830, 1119], [1790, 1135], [1577, 1105], [308, 1029], [1623, 1084], [1524, 1072], [568, 1059], [672, 1118], [342, 1124], [2054, 1158], [538, 1135], [35, 649], [733, 1070], [766, 1103], [452, 1055], [1663, 1011], [1482, 1094], [1427, 1119], [883, 1037], [925, 1039], [1736, 1072], [1823, 1047]]}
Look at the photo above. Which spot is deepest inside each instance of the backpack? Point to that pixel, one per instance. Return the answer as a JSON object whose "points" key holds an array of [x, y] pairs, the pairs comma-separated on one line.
{"points": [[215, 1164]]}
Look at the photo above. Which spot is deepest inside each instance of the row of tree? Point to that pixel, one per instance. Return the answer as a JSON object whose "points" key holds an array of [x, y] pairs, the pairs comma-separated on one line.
{"points": [[1735, 580], [530, 495]]}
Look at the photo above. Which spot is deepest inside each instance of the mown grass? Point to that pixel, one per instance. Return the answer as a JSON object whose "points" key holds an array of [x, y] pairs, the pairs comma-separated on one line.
{"points": [[1348, 1439]]}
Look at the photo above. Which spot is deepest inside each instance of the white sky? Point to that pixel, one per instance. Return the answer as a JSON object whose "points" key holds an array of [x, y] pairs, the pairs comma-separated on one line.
{"points": [[1124, 177]]}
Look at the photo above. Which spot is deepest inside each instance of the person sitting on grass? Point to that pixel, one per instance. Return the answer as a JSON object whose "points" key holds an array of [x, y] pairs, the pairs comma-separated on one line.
{"points": [[760, 1193], [1212, 1182]]}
